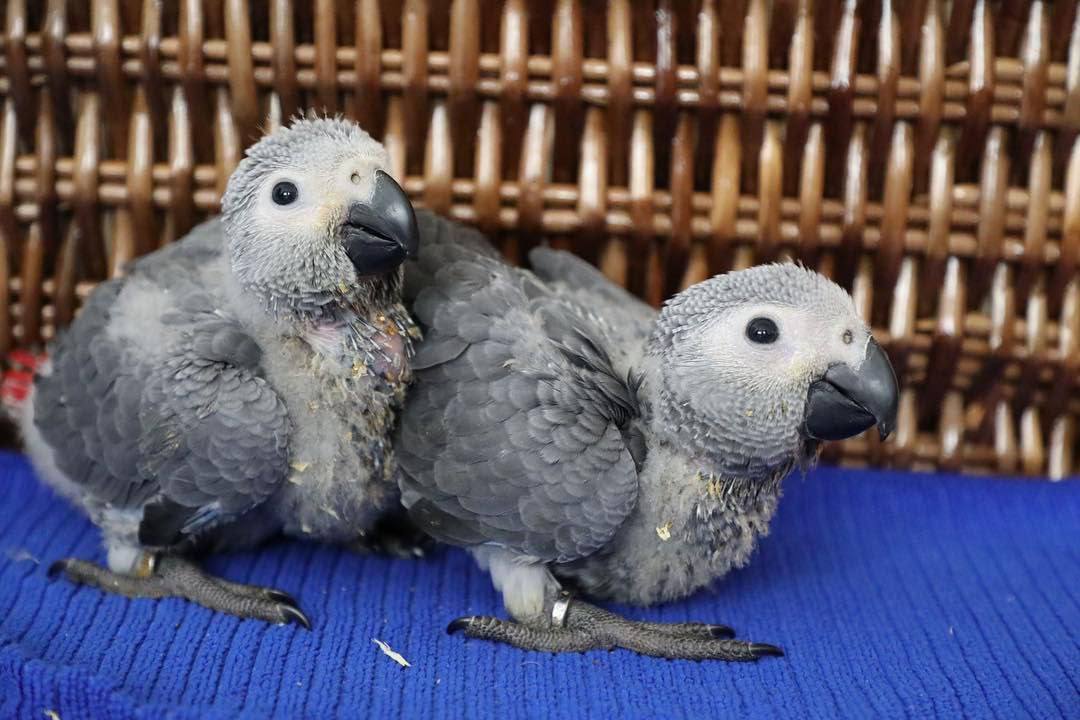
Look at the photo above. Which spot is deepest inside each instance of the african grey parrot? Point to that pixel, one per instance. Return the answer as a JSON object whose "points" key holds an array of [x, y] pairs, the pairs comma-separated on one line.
{"points": [[242, 381], [572, 437]]}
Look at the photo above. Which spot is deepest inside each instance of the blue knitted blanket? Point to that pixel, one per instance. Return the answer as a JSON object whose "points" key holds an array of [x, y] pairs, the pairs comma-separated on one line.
{"points": [[894, 595]]}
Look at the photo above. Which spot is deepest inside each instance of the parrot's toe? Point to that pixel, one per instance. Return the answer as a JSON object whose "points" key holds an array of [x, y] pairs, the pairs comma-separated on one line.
{"points": [[294, 614], [177, 577], [721, 631], [461, 623], [675, 641], [765, 650], [589, 628], [690, 629], [279, 596], [57, 569], [527, 637], [81, 572]]}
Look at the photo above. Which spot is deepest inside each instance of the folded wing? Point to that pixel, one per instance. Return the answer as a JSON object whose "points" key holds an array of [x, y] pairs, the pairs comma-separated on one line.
{"points": [[517, 431]]}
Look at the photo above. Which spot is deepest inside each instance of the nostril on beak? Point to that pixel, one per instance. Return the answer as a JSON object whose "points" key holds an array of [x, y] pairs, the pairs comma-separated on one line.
{"points": [[844, 402], [382, 232]]}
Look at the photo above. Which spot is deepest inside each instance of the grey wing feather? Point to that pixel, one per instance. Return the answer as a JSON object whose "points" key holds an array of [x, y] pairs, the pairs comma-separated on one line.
{"points": [[195, 440], [78, 414], [627, 320], [211, 335], [437, 234], [517, 431], [215, 432]]}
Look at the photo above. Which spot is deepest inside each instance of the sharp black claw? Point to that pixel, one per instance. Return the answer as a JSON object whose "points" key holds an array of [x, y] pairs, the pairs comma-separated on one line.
{"points": [[722, 631], [294, 615], [282, 597], [462, 623], [760, 650], [56, 569]]}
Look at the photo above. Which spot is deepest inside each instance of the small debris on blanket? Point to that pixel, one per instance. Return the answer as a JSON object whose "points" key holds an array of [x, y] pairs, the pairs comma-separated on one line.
{"points": [[391, 653], [51, 714], [20, 554]]}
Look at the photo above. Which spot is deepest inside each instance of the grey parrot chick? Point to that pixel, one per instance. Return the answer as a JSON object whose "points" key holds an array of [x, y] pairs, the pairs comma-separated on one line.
{"points": [[244, 380], [574, 439]]}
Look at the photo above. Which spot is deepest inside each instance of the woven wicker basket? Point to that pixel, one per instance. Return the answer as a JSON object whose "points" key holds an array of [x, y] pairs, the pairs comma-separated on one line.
{"points": [[923, 153]]}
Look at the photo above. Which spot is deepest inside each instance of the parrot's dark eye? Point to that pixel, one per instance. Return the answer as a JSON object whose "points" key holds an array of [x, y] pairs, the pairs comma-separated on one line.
{"points": [[284, 193], [849, 337], [762, 330]]}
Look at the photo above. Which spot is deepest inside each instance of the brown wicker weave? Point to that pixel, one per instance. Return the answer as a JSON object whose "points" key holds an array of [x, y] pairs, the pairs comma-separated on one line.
{"points": [[924, 153]]}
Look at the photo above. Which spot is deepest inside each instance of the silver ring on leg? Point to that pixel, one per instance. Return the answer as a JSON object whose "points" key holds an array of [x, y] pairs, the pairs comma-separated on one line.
{"points": [[559, 610]]}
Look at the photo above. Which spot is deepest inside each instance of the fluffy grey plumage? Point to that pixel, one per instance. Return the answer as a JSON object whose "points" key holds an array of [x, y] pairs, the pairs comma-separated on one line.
{"points": [[571, 436], [242, 381]]}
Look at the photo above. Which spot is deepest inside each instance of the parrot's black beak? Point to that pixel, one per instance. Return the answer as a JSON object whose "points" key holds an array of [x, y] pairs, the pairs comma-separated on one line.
{"points": [[378, 235], [843, 403]]}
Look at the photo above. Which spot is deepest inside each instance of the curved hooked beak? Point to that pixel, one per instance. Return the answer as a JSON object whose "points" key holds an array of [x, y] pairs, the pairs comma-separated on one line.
{"points": [[843, 402], [380, 234]]}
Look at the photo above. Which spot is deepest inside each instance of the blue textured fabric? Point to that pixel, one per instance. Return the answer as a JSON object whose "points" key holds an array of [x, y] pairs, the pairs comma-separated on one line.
{"points": [[893, 594]]}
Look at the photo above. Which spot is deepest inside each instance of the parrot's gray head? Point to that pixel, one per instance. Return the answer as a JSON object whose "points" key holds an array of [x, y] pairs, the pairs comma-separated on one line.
{"points": [[758, 366], [313, 218]]}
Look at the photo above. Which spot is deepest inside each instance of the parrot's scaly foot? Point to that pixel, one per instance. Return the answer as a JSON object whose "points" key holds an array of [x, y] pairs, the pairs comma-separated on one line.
{"points": [[526, 637], [394, 535], [589, 628], [176, 577], [689, 629], [687, 641]]}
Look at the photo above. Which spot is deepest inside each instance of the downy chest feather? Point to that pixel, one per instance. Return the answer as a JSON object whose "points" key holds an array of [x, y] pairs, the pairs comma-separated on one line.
{"points": [[707, 513], [344, 398], [688, 529]]}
